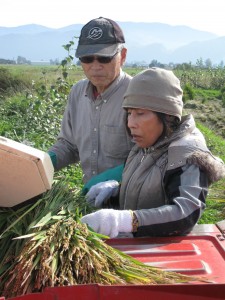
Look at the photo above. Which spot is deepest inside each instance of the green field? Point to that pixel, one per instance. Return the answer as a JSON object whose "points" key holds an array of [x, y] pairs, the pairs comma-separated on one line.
{"points": [[33, 98]]}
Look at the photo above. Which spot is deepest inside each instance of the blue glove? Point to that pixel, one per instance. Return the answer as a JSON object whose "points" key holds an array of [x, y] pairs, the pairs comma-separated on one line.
{"points": [[109, 222], [110, 174], [101, 192]]}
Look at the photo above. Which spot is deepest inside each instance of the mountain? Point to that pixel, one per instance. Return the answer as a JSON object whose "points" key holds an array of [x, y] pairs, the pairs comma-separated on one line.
{"points": [[145, 42]]}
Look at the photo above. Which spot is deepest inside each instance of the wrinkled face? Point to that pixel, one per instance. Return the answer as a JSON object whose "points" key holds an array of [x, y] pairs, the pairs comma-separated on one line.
{"points": [[145, 126], [102, 75]]}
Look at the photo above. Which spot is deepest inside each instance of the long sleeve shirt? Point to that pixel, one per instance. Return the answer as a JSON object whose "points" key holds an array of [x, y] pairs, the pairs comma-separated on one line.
{"points": [[93, 131]]}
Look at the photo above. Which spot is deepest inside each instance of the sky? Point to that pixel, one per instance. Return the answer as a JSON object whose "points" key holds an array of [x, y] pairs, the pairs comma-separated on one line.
{"points": [[205, 15]]}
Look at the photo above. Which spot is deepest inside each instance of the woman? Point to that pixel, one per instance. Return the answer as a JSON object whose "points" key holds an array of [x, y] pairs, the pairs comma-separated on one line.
{"points": [[167, 173]]}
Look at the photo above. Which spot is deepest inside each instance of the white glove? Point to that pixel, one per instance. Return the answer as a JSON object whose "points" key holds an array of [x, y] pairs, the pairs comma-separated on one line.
{"points": [[109, 221], [101, 192]]}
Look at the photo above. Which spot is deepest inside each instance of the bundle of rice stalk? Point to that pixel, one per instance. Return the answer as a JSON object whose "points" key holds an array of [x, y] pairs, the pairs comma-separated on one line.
{"points": [[58, 250], [21, 220]]}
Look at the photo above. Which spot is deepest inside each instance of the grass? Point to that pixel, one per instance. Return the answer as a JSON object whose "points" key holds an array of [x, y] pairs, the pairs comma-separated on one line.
{"points": [[215, 143], [206, 95], [215, 211], [36, 73], [34, 115], [210, 123]]}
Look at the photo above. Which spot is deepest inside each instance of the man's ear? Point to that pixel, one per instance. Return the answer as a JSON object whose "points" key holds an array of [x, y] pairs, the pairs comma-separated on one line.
{"points": [[123, 55]]}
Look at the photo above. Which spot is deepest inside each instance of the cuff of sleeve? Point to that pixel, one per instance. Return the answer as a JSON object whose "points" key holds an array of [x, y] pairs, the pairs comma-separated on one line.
{"points": [[135, 222], [53, 158], [125, 221]]}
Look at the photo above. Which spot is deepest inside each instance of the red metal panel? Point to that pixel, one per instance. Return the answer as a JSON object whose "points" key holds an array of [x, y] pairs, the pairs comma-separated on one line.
{"points": [[78, 292], [133, 292], [163, 292], [35, 296], [194, 254], [202, 253]]}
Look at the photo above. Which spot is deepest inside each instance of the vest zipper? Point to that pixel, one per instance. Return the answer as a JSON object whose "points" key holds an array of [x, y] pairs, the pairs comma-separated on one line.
{"points": [[143, 157], [145, 153]]}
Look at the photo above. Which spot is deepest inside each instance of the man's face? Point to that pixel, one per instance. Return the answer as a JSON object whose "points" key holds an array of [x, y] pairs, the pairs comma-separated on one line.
{"points": [[102, 75]]}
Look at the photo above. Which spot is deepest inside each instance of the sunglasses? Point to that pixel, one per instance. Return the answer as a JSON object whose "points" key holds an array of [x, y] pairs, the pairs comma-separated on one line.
{"points": [[100, 59]]}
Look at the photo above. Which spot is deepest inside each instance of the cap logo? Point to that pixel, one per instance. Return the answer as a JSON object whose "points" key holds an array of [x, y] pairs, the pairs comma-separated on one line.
{"points": [[95, 33]]}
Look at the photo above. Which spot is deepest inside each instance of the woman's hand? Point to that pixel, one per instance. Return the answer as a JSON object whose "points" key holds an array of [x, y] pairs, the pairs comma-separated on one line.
{"points": [[109, 222], [101, 192]]}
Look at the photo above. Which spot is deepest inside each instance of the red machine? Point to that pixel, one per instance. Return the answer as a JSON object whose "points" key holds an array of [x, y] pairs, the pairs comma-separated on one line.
{"points": [[201, 253]]}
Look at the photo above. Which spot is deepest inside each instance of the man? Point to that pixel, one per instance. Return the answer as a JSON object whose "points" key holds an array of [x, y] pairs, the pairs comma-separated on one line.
{"points": [[93, 128]]}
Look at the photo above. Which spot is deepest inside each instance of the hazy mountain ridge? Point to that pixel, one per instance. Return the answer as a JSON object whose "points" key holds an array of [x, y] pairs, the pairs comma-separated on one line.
{"points": [[145, 42]]}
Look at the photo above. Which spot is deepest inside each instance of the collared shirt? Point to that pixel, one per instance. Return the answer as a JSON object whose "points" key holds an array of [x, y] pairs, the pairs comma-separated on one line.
{"points": [[94, 131]]}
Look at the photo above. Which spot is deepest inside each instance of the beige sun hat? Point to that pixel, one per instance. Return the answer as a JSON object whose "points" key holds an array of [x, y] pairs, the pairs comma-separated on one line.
{"points": [[155, 89]]}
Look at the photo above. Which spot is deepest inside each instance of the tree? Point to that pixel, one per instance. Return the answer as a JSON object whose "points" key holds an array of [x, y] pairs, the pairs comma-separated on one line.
{"points": [[23, 61], [199, 63], [155, 63], [208, 63], [221, 64], [7, 61]]}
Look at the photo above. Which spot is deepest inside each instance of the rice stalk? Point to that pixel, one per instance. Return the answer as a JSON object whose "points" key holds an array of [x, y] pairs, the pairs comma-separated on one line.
{"points": [[55, 249]]}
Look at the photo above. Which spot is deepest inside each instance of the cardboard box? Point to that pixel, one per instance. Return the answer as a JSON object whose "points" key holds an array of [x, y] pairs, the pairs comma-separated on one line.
{"points": [[25, 172]]}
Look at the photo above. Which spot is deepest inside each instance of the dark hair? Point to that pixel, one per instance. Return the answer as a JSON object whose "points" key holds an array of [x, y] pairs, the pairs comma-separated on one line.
{"points": [[170, 123]]}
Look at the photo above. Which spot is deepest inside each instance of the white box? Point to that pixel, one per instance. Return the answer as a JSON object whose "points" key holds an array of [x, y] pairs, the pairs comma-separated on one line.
{"points": [[25, 172]]}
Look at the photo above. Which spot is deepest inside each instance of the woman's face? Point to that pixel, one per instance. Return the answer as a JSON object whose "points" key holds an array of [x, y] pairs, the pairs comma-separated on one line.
{"points": [[145, 126]]}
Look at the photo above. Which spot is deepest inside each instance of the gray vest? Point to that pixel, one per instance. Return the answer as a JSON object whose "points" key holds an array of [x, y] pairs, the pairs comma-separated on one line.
{"points": [[142, 183]]}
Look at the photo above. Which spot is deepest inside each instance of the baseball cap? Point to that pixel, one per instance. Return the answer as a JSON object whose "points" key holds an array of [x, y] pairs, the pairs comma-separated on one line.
{"points": [[155, 89], [101, 37]]}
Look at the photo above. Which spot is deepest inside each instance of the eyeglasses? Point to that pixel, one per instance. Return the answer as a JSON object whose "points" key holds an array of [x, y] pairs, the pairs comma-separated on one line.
{"points": [[100, 59]]}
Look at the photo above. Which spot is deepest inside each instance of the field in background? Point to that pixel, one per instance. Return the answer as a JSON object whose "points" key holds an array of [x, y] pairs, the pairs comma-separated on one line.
{"points": [[33, 98]]}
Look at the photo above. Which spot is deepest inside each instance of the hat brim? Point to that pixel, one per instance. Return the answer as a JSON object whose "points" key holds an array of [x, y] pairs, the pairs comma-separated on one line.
{"points": [[100, 50]]}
